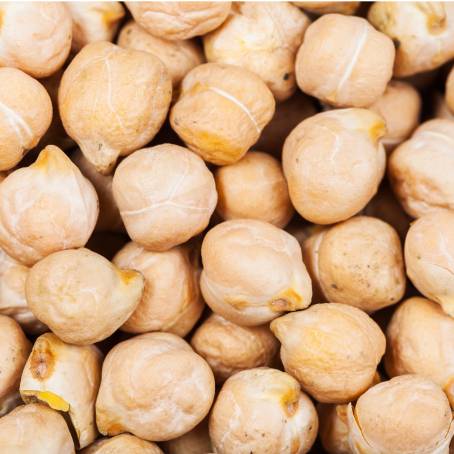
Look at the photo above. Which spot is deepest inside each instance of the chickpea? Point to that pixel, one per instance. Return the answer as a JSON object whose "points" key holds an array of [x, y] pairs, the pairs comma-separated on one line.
{"points": [[171, 299], [357, 262], [262, 410], [230, 348], [253, 272], [153, 386], [254, 188], [124, 443], [329, 7], [179, 20], [440, 107], [94, 21], [196, 441], [35, 429], [334, 428], [344, 61], [36, 37], [81, 296], [46, 207], [124, 116], [421, 169], [423, 33], [400, 107], [221, 111], [408, 414], [25, 115], [66, 378], [12, 295], [429, 257], [314, 350], [165, 194], [420, 340], [333, 163], [178, 56], [263, 38]]}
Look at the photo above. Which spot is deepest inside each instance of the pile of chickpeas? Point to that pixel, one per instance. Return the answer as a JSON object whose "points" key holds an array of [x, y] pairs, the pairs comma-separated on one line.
{"points": [[226, 228]]}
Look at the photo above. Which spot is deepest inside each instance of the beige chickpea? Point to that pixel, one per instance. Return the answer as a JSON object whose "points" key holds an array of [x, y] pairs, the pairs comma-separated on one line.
{"points": [[94, 21], [407, 414], [333, 430], [12, 294], [230, 348], [262, 410], [35, 429], [254, 188], [81, 296], [420, 340], [329, 7], [25, 115], [333, 163], [429, 257], [358, 262], [178, 56], [344, 61], [124, 443], [196, 441], [263, 38], [14, 350], [165, 194], [421, 169], [423, 33], [109, 218], [253, 272], [400, 107], [153, 386], [36, 37], [127, 94], [332, 349], [171, 299], [66, 378], [46, 207], [221, 111], [179, 20]]}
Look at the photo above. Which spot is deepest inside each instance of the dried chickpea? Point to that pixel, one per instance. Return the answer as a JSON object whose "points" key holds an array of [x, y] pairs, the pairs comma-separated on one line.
{"points": [[262, 410], [333, 163], [332, 349], [400, 107], [420, 340], [333, 430], [253, 272], [35, 429], [329, 7], [94, 21], [254, 188], [357, 262], [25, 115], [196, 441], [421, 169], [221, 111], [124, 443], [344, 61], [423, 33], [179, 56], [263, 38], [407, 414], [165, 194], [230, 348], [35, 37], [179, 20], [66, 378], [81, 296], [124, 115], [46, 207], [171, 299], [153, 386], [429, 257]]}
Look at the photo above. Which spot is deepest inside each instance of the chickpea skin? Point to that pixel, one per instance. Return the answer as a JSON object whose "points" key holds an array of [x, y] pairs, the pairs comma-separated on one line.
{"points": [[124, 443], [344, 61], [253, 272], [332, 349], [333, 163]]}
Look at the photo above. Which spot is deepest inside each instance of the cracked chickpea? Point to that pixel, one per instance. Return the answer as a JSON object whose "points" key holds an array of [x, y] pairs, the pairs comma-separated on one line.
{"points": [[253, 272]]}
